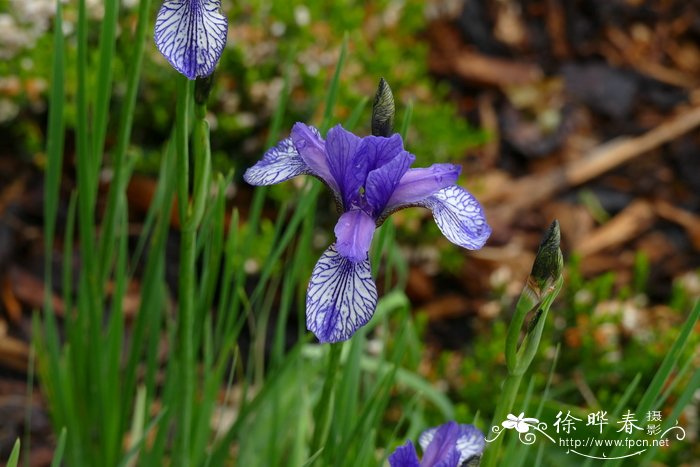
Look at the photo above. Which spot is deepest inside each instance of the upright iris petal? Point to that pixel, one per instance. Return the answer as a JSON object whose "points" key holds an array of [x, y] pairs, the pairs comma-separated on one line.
{"points": [[191, 34], [448, 445], [371, 178]]}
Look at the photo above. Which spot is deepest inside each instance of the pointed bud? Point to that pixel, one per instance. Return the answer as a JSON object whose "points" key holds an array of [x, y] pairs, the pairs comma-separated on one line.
{"points": [[549, 262], [383, 110]]}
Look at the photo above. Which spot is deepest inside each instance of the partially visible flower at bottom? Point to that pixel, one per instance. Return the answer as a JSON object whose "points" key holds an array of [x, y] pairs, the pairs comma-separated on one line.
{"points": [[448, 445], [191, 35], [371, 178]]}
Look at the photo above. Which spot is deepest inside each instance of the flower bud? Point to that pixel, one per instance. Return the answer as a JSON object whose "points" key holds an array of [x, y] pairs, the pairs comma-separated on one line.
{"points": [[383, 110], [549, 262]]}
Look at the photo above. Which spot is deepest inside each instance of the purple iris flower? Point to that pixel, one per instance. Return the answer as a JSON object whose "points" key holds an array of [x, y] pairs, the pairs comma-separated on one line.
{"points": [[191, 34], [448, 445], [370, 178]]}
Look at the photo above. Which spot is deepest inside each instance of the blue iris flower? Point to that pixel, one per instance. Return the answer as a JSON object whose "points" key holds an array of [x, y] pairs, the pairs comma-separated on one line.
{"points": [[370, 178], [448, 445], [191, 34]]}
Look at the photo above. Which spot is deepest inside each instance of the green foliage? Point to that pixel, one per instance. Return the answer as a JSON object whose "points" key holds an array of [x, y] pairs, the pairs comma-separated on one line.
{"points": [[241, 382], [610, 343]]}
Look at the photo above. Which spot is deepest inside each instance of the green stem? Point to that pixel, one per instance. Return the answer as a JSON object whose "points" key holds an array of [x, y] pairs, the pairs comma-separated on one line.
{"points": [[324, 408], [188, 239], [504, 407]]}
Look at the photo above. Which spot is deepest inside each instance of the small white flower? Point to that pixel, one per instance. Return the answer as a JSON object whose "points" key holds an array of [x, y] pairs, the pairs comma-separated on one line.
{"points": [[520, 423]]}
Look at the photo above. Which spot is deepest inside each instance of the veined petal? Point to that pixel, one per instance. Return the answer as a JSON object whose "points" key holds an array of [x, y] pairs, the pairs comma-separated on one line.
{"points": [[191, 34], [378, 150], [382, 181], [459, 216], [471, 442], [341, 297], [451, 459], [443, 442], [354, 232], [280, 163], [312, 149], [404, 456], [418, 184], [426, 437], [348, 170]]}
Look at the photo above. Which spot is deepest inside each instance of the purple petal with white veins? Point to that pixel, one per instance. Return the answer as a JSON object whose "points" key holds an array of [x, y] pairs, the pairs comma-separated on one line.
{"points": [[471, 442], [382, 181], [348, 170], [191, 34], [404, 456], [427, 437], [443, 442], [312, 149], [280, 163], [418, 184], [378, 150], [459, 216], [341, 297], [354, 232]]}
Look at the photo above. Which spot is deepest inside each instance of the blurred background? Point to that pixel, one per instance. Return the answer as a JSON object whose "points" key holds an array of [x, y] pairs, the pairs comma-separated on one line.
{"points": [[586, 111]]}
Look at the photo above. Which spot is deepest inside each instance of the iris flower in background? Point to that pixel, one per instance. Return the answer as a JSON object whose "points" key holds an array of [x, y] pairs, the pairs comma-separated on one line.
{"points": [[371, 178], [448, 445], [191, 35]]}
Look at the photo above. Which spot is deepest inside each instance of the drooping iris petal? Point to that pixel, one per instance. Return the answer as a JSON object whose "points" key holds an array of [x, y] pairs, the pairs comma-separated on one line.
{"points": [[418, 184], [459, 216], [191, 34], [348, 170], [471, 442], [404, 456], [378, 150], [354, 232], [341, 297], [312, 149], [382, 181], [280, 163]]}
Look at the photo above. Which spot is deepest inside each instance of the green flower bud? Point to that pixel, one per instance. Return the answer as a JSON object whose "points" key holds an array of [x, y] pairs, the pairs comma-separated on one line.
{"points": [[383, 110], [548, 264]]}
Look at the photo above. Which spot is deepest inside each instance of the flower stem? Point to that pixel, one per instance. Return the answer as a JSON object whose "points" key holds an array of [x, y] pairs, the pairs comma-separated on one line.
{"points": [[324, 408], [188, 239], [503, 408]]}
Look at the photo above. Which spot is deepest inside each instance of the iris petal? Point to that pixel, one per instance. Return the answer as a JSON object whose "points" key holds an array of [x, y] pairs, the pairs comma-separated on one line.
{"points": [[459, 216], [427, 437], [312, 149], [404, 456], [277, 165], [354, 232], [442, 444], [470, 443], [378, 150], [191, 34], [418, 184], [341, 297], [382, 181], [451, 459], [348, 170]]}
